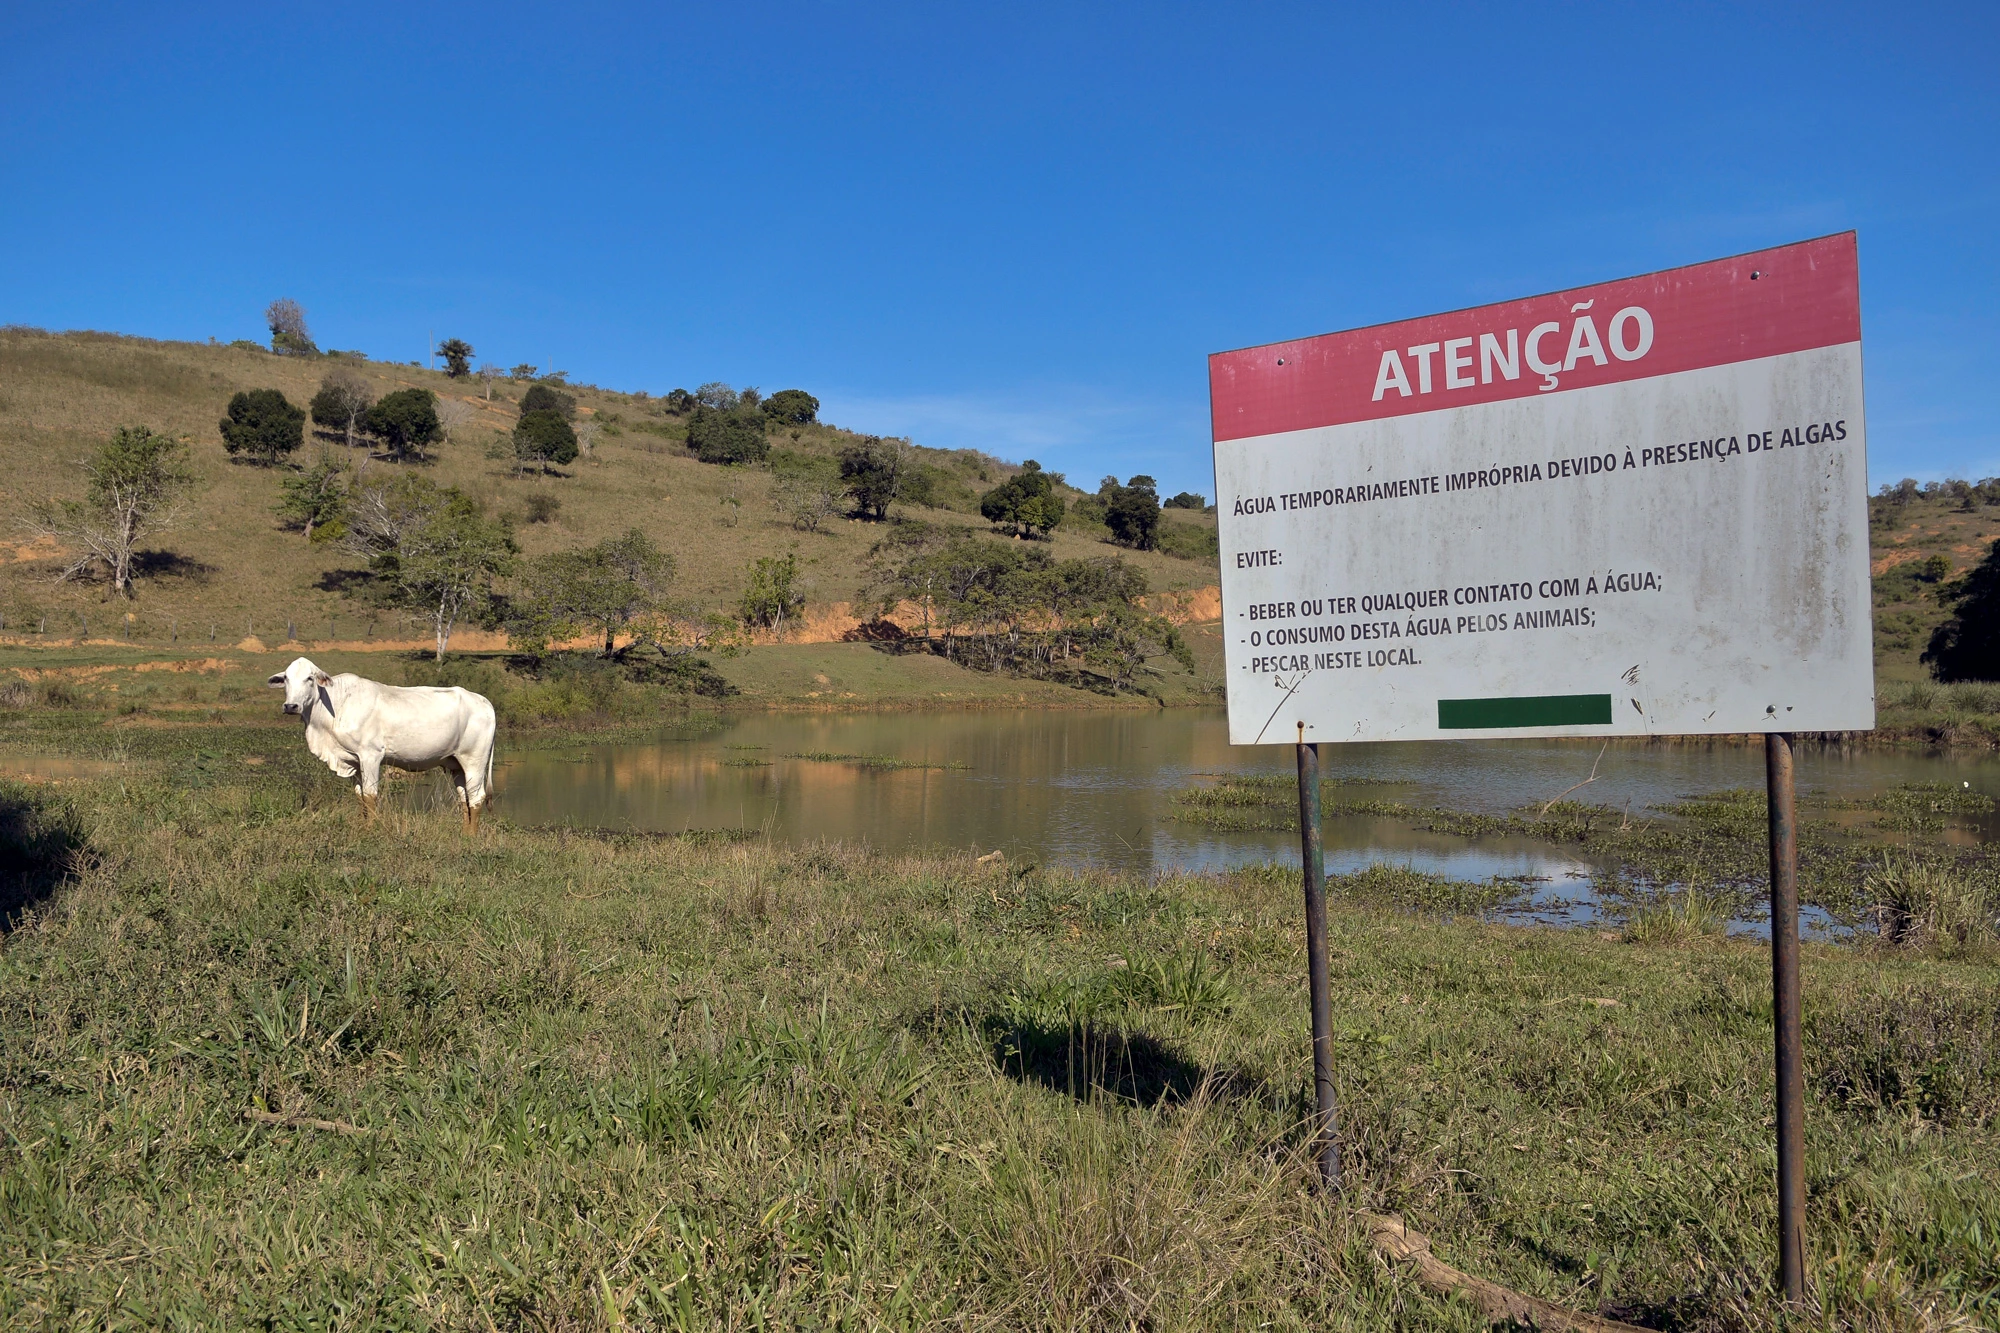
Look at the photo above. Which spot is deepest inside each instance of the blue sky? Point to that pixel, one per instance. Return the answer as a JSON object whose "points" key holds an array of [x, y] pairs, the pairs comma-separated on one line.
{"points": [[1020, 228]]}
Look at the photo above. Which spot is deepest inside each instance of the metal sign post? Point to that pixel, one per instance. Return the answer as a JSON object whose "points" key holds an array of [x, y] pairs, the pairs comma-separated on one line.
{"points": [[1785, 1013], [1326, 1125]]}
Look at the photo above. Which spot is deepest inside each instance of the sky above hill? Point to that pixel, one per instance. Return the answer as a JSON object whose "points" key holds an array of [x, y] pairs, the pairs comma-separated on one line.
{"points": [[1013, 228]]}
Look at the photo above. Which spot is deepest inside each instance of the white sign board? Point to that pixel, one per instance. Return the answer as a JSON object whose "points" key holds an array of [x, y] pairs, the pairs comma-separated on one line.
{"points": [[1634, 509]]}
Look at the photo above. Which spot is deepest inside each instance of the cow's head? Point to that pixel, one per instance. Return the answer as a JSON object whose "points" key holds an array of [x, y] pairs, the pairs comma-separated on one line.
{"points": [[301, 682]]}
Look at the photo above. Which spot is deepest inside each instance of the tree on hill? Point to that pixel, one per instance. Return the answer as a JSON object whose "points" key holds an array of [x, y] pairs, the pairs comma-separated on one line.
{"points": [[871, 471], [289, 337], [433, 548], [453, 415], [615, 587], [1026, 502], [406, 421], [727, 435], [457, 354], [1967, 646], [263, 425], [773, 595], [718, 396], [1006, 606], [342, 403], [315, 500], [1132, 512], [792, 407], [524, 371], [542, 438], [808, 499], [136, 481], [542, 398], [680, 402], [1186, 500]]}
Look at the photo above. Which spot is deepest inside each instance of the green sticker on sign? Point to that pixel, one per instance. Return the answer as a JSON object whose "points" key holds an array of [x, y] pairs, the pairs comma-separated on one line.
{"points": [[1533, 710]]}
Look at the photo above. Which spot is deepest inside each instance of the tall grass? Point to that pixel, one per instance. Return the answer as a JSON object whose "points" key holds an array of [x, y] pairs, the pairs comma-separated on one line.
{"points": [[1935, 905], [628, 1082]]}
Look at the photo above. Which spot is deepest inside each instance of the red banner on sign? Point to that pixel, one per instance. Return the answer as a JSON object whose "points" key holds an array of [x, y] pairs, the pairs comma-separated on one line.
{"points": [[1789, 299]]}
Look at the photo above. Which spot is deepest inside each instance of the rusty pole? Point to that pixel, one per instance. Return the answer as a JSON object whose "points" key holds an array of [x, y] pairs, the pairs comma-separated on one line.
{"points": [[1326, 1129], [1785, 1013]]}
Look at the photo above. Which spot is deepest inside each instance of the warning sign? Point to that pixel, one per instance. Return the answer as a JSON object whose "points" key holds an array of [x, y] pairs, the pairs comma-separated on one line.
{"points": [[1638, 508]]}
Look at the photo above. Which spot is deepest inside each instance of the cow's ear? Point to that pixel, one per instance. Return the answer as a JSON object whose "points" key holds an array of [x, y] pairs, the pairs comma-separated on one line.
{"points": [[277, 681], [321, 679]]}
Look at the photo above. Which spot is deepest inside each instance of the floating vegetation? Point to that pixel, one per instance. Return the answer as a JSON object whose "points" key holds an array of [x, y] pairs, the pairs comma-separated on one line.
{"points": [[884, 762], [1923, 807], [1712, 844]]}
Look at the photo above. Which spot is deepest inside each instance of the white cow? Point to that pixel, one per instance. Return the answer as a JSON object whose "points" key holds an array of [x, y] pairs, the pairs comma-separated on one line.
{"points": [[355, 726]]}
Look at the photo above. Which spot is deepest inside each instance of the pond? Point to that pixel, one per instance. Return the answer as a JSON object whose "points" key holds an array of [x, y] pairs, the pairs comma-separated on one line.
{"points": [[1094, 788]]}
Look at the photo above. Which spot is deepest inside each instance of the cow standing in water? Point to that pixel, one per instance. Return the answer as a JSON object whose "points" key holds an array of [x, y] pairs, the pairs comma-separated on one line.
{"points": [[355, 726]]}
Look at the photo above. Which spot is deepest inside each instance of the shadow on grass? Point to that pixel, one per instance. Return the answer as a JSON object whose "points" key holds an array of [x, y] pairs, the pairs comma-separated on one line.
{"points": [[41, 843], [1087, 1061], [171, 564]]}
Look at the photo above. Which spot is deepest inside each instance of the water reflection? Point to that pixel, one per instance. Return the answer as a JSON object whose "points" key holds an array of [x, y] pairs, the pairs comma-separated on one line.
{"points": [[1093, 788]]}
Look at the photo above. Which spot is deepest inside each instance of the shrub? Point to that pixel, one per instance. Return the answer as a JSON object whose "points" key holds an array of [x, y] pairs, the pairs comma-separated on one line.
{"points": [[406, 421], [541, 398], [732, 435], [543, 438], [872, 471], [773, 595], [1931, 904], [342, 403], [541, 507], [264, 425], [315, 499], [1026, 502], [1132, 512], [792, 407], [1186, 500]]}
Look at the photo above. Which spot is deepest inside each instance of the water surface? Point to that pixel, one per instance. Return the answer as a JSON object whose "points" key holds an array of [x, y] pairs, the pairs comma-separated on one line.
{"points": [[1093, 788]]}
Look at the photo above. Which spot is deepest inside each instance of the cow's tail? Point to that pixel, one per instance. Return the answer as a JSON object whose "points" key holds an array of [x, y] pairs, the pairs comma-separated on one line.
{"points": [[489, 755]]}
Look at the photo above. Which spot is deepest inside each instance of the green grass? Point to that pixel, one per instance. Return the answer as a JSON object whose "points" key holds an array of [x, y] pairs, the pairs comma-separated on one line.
{"points": [[614, 1081]]}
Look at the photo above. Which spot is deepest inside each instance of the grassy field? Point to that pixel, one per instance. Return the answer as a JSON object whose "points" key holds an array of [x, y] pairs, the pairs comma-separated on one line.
{"points": [[264, 1066]]}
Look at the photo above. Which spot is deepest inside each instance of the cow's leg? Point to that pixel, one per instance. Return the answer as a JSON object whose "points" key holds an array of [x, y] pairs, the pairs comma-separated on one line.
{"points": [[456, 768], [370, 787], [473, 766]]}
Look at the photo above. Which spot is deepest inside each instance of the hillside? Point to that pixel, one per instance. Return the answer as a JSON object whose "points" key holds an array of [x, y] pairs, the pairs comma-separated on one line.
{"points": [[1919, 539], [230, 570]]}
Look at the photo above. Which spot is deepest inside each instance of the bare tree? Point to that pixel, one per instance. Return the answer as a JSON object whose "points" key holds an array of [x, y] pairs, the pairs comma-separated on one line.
{"points": [[453, 415], [807, 501], [136, 481], [289, 335], [586, 437], [342, 403]]}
